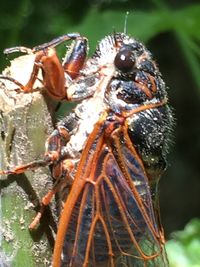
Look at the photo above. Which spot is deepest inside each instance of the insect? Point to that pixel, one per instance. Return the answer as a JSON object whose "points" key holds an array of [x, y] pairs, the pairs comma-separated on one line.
{"points": [[111, 152]]}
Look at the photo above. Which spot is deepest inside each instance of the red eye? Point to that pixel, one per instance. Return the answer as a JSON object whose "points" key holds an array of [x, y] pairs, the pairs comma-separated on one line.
{"points": [[125, 60]]}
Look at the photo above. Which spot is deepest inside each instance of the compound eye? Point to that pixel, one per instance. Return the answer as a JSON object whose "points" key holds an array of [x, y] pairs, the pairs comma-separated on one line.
{"points": [[124, 60]]}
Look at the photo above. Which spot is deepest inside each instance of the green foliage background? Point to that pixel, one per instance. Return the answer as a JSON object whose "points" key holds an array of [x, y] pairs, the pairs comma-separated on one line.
{"points": [[171, 30]]}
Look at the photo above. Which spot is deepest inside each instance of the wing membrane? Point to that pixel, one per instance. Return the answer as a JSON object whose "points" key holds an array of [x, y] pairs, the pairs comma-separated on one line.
{"points": [[108, 219]]}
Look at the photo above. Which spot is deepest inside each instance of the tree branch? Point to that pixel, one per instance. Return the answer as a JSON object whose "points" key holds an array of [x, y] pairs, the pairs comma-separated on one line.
{"points": [[25, 123]]}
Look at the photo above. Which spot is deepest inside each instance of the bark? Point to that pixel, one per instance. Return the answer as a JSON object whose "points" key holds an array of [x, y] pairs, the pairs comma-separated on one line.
{"points": [[25, 123]]}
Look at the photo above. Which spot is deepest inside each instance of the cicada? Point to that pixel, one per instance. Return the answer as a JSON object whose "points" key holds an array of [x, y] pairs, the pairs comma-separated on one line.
{"points": [[108, 154]]}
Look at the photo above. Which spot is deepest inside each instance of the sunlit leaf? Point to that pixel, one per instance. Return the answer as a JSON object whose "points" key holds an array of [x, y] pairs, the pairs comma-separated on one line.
{"points": [[184, 248]]}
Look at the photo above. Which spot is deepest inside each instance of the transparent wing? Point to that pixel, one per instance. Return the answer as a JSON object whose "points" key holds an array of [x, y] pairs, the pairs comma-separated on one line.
{"points": [[108, 219]]}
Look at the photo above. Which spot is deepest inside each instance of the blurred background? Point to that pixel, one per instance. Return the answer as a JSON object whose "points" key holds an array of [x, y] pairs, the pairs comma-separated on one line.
{"points": [[171, 31]]}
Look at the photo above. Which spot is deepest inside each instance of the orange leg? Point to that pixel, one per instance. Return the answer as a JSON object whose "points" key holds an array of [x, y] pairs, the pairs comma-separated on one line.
{"points": [[53, 70], [61, 168], [63, 181]]}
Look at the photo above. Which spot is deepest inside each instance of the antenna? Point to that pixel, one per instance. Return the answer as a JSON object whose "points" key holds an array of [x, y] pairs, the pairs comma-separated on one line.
{"points": [[125, 22]]}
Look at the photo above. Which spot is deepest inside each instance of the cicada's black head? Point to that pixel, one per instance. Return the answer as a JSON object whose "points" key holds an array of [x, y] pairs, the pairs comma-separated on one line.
{"points": [[136, 79]]}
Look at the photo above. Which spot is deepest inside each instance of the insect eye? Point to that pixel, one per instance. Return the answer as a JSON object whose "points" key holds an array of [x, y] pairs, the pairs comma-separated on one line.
{"points": [[125, 60]]}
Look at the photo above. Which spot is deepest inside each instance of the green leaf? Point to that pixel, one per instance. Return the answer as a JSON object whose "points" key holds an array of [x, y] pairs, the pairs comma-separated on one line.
{"points": [[184, 248]]}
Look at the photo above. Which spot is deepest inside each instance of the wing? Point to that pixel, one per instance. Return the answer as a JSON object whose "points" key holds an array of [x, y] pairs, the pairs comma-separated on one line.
{"points": [[108, 219]]}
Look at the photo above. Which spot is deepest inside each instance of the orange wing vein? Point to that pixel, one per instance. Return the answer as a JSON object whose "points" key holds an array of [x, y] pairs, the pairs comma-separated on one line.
{"points": [[108, 218]]}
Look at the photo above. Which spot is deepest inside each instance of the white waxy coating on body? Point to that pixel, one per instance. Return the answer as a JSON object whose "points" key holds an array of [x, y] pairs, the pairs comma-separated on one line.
{"points": [[90, 110]]}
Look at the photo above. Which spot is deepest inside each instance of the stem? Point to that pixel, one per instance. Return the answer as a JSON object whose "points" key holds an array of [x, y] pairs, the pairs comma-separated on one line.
{"points": [[25, 123]]}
